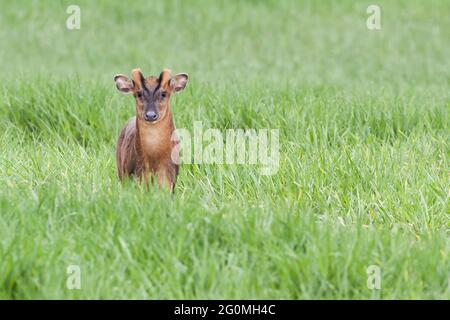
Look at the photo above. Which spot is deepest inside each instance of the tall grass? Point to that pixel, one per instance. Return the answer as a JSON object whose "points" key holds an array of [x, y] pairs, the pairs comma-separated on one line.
{"points": [[364, 133]]}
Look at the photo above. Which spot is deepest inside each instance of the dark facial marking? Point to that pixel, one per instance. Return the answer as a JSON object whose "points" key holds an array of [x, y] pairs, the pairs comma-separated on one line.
{"points": [[148, 98], [160, 79], [145, 90]]}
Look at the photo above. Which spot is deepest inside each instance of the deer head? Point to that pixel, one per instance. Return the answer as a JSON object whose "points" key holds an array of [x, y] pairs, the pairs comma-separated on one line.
{"points": [[152, 94]]}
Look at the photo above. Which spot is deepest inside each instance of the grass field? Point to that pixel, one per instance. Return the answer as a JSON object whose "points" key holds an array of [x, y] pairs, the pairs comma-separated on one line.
{"points": [[364, 151]]}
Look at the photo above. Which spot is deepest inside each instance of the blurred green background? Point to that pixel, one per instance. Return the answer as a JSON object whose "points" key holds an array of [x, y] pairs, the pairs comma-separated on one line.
{"points": [[285, 42], [364, 144]]}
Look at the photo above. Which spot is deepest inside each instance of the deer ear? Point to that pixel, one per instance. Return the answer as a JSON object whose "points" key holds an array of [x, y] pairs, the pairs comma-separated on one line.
{"points": [[179, 82], [123, 84]]}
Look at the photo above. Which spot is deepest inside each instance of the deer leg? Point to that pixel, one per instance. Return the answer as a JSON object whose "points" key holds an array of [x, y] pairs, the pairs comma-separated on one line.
{"points": [[165, 179]]}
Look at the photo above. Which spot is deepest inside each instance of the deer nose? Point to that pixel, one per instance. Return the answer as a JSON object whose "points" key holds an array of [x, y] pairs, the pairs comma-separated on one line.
{"points": [[151, 116]]}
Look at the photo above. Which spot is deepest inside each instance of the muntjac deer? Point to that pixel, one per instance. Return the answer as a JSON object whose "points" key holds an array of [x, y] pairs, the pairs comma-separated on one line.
{"points": [[146, 147]]}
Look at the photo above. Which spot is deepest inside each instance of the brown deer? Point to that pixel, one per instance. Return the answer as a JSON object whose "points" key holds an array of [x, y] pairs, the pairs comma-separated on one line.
{"points": [[146, 147]]}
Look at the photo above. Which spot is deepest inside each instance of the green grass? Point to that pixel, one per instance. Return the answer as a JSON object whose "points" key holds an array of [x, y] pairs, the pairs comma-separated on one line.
{"points": [[364, 169]]}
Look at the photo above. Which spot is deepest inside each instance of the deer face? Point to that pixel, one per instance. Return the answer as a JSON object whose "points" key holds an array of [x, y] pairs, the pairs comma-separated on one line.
{"points": [[152, 94]]}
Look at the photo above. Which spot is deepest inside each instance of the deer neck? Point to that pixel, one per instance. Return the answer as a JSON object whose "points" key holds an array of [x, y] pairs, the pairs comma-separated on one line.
{"points": [[154, 140]]}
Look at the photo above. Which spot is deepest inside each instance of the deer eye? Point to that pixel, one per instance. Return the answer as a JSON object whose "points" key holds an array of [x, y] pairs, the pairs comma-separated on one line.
{"points": [[163, 94], [139, 94]]}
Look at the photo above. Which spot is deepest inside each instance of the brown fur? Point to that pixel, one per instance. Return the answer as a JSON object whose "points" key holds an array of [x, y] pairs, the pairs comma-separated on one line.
{"points": [[145, 150]]}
